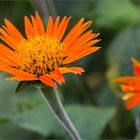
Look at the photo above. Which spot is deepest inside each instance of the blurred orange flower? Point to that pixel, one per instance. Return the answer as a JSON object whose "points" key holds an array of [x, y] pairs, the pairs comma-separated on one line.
{"points": [[131, 86], [44, 54]]}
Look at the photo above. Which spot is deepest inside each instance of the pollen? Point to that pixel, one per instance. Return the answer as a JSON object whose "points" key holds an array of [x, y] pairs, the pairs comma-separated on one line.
{"points": [[39, 55]]}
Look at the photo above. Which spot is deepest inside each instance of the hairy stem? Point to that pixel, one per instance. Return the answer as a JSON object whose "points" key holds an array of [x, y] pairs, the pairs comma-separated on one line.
{"points": [[55, 104]]}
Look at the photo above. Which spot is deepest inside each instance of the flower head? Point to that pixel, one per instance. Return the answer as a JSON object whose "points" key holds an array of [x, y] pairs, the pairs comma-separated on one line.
{"points": [[131, 86], [44, 54]]}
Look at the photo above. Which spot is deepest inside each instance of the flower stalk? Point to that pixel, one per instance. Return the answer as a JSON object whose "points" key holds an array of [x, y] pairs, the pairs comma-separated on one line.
{"points": [[55, 105]]}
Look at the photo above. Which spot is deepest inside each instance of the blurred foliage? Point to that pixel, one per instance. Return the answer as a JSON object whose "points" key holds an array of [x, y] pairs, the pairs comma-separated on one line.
{"points": [[117, 13], [29, 112], [92, 100]]}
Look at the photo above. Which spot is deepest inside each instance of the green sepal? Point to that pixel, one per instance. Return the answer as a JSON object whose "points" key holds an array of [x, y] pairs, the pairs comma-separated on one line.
{"points": [[39, 85], [22, 86]]}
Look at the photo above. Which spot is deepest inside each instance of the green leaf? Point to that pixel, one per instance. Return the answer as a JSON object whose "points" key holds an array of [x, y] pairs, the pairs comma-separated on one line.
{"points": [[11, 131], [90, 121], [7, 98], [38, 119], [117, 13], [7, 131], [28, 99], [41, 120], [22, 86]]}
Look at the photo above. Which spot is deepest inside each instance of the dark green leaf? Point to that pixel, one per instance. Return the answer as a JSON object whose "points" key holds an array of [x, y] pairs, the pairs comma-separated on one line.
{"points": [[22, 86]]}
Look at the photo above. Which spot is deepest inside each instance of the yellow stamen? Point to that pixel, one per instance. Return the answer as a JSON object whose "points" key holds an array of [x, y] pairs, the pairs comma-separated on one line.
{"points": [[39, 55]]}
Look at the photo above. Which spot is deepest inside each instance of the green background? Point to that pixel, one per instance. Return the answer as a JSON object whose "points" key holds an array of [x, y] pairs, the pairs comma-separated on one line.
{"points": [[92, 100]]}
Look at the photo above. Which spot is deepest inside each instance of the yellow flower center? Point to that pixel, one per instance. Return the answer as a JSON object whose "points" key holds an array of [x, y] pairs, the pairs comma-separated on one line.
{"points": [[39, 55]]}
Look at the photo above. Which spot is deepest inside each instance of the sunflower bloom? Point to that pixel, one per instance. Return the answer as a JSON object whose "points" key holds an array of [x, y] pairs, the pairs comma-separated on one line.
{"points": [[44, 54], [131, 86]]}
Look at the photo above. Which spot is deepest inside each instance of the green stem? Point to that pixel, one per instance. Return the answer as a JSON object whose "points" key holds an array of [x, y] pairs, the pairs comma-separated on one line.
{"points": [[59, 112]]}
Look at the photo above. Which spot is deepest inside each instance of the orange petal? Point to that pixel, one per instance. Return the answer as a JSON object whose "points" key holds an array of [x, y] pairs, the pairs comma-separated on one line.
{"points": [[82, 39], [57, 76], [136, 66], [16, 72], [7, 53], [6, 62], [8, 39], [40, 24], [127, 88], [77, 33], [8, 58], [3, 63], [127, 79], [49, 27], [34, 25], [73, 31], [62, 28], [73, 58], [134, 101], [80, 49], [13, 31], [22, 78], [80, 43], [76, 70], [55, 25], [28, 28], [6, 49], [47, 81]]}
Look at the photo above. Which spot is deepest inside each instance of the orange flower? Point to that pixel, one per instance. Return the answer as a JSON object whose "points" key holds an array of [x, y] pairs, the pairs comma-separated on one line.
{"points": [[131, 86], [44, 54]]}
